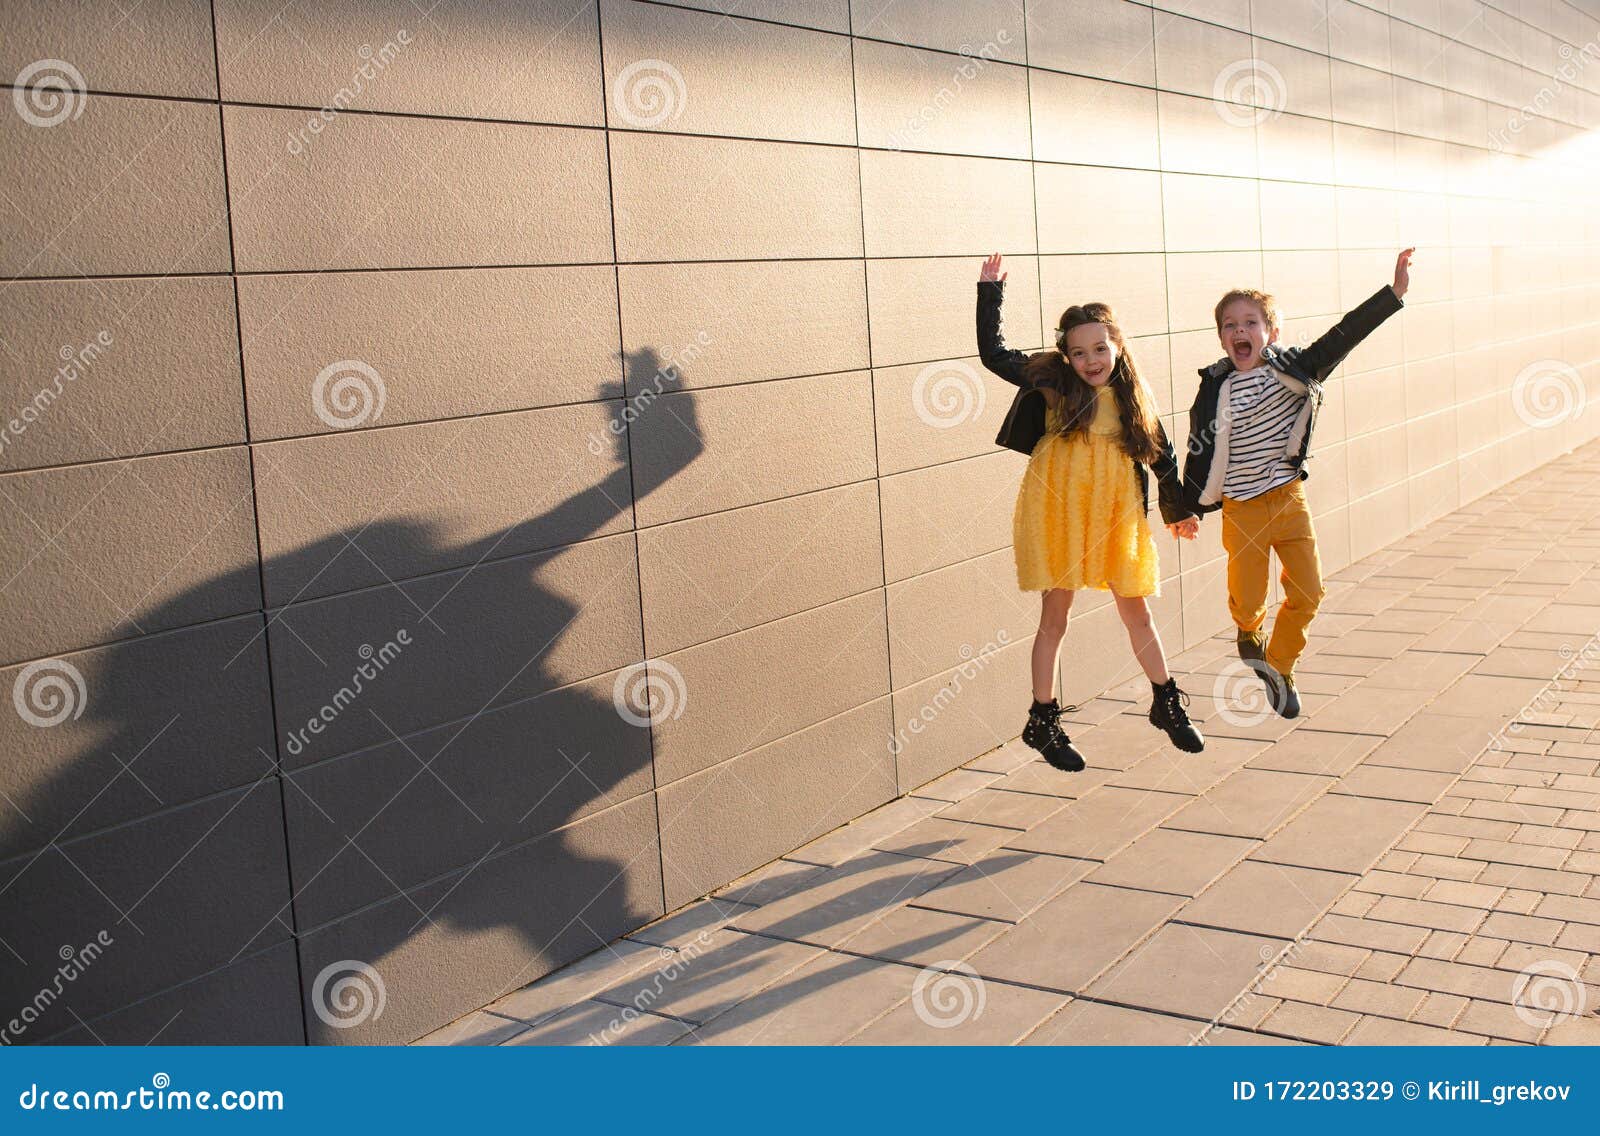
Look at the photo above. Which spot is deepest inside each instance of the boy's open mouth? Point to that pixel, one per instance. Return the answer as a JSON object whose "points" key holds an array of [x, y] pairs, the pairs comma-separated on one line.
{"points": [[1241, 349]]}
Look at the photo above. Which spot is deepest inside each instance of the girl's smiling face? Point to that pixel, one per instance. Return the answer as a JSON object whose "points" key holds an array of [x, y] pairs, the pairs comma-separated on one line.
{"points": [[1092, 353]]}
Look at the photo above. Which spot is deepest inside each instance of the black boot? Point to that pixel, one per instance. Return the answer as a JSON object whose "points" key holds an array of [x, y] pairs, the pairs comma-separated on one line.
{"points": [[1167, 713], [1252, 646], [1043, 733], [1281, 694]]}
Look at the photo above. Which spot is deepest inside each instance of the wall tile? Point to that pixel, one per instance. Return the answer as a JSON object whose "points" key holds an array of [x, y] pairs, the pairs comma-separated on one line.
{"points": [[933, 204], [164, 50], [910, 99], [1109, 39], [1093, 121], [922, 310], [1096, 209], [983, 29]]}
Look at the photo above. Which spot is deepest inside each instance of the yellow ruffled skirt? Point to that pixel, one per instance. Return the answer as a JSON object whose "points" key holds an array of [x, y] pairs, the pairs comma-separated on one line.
{"points": [[1080, 520]]}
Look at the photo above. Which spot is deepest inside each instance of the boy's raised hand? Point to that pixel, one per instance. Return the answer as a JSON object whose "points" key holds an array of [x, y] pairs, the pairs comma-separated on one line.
{"points": [[991, 269], [1402, 272], [1188, 528]]}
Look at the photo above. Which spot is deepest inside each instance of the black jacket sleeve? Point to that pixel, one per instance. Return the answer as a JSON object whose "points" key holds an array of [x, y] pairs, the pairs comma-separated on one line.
{"points": [[1329, 351], [1009, 365], [1169, 484]]}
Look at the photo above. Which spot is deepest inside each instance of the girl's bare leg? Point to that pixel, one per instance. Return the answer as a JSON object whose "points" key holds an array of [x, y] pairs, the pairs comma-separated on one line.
{"points": [[1053, 610], [1142, 634]]}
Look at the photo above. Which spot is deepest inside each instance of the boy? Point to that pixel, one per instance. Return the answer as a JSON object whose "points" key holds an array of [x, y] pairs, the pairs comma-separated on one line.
{"points": [[1249, 436]]}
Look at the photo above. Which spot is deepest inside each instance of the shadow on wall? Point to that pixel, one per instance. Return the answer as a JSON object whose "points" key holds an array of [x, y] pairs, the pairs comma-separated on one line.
{"points": [[179, 868]]}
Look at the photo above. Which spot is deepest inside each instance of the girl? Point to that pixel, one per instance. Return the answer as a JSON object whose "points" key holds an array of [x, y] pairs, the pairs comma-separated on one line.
{"points": [[1080, 514]]}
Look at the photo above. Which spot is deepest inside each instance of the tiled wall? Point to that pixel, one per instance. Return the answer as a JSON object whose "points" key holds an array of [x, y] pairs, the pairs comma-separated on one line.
{"points": [[308, 400]]}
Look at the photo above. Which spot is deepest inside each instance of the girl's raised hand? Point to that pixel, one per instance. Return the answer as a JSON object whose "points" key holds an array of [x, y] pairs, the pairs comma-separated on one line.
{"points": [[991, 270]]}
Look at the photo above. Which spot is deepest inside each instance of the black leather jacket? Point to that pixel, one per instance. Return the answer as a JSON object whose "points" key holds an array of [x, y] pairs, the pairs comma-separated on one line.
{"points": [[1024, 424], [1309, 366]]}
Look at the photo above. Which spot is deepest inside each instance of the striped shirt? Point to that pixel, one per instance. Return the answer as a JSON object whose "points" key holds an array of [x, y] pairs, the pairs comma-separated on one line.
{"points": [[1263, 412]]}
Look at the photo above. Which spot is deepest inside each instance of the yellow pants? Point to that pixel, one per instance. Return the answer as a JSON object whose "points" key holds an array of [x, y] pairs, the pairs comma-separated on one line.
{"points": [[1277, 521]]}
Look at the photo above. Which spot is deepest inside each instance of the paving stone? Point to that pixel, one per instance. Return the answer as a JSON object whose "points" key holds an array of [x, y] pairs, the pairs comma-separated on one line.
{"points": [[919, 937], [1172, 771], [1003, 759], [1421, 913], [1166, 860], [1330, 958], [1195, 971], [697, 987], [1481, 951], [1439, 1009], [957, 785], [1266, 899], [1380, 882], [1005, 885], [598, 1023], [477, 1028], [1548, 880], [1494, 1019], [773, 881], [1465, 894], [1341, 834], [1444, 743], [1040, 778], [959, 842], [1101, 824], [1294, 984], [690, 923], [1250, 802], [578, 981], [1522, 928], [1442, 945], [1571, 908], [1364, 997], [834, 848], [1369, 933], [1574, 1031], [1387, 1031], [1391, 784], [1316, 752], [1074, 937], [1310, 1023], [822, 1002], [1453, 978], [1095, 1023], [1006, 1015], [844, 899], [1381, 966], [1004, 809]]}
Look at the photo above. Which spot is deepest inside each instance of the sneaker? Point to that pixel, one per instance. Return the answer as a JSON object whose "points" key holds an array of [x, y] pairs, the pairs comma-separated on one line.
{"points": [[1252, 646], [1043, 733], [1167, 713]]}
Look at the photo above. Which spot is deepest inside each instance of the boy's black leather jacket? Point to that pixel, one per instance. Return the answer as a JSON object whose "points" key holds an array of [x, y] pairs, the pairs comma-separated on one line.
{"points": [[1302, 370], [1024, 424]]}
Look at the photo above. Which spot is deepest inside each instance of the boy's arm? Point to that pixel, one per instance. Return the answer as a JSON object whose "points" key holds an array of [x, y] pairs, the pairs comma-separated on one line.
{"points": [[1009, 365], [1169, 483], [1330, 350]]}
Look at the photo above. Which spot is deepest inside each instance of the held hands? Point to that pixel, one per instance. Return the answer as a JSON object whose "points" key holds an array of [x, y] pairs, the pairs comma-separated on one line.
{"points": [[1188, 528], [1402, 272], [991, 270]]}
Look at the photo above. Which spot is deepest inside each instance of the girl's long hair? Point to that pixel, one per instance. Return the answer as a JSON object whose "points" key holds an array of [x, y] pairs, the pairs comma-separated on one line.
{"points": [[1142, 437]]}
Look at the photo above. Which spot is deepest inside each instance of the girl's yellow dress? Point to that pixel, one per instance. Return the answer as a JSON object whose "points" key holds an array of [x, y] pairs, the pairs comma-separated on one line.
{"points": [[1080, 516]]}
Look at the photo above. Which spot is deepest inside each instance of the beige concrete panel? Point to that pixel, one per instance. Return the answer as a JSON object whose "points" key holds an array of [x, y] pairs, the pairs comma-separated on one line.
{"points": [[934, 204], [949, 512], [163, 49], [1097, 209], [1093, 121], [921, 310], [988, 29], [911, 99]]}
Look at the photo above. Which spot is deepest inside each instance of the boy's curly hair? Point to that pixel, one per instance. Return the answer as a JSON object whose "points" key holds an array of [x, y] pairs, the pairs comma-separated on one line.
{"points": [[1268, 305]]}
